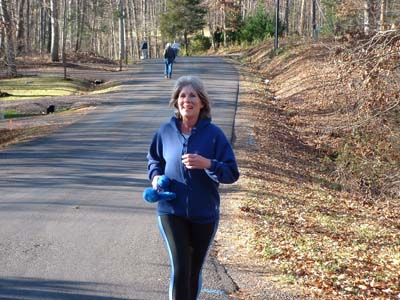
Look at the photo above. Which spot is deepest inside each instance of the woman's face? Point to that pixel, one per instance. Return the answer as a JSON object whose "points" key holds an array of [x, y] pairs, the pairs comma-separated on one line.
{"points": [[189, 103]]}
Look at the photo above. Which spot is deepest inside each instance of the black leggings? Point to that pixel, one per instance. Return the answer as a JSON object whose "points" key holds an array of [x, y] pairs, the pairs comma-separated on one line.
{"points": [[187, 244]]}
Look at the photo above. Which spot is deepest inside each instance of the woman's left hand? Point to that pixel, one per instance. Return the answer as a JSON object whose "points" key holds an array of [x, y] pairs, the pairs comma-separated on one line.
{"points": [[195, 161]]}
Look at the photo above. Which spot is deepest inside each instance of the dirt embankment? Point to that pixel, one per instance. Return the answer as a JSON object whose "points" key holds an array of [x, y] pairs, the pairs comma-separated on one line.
{"points": [[305, 218]]}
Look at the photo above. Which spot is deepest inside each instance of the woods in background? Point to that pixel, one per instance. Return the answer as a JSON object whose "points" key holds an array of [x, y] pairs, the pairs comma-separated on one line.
{"points": [[116, 28]]}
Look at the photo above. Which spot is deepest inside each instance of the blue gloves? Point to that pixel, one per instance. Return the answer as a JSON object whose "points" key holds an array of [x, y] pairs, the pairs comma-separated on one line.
{"points": [[152, 195], [163, 183]]}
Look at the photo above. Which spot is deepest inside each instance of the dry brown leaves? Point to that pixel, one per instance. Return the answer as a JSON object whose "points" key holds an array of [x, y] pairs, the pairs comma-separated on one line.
{"points": [[23, 134], [337, 242], [80, 57]]}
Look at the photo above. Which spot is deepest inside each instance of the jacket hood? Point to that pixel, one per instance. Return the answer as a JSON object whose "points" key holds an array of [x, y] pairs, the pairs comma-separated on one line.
{"points": [[201, 123]]}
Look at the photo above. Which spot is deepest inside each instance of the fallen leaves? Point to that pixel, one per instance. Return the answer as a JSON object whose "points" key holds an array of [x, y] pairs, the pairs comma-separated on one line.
{"points": [[18, 135], [338, 243]]}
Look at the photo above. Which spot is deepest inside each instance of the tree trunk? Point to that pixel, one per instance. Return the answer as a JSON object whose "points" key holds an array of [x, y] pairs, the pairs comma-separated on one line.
{"points": [[185, 38], [28, 26], [9, 49], [287, 11], [121, 33], [21, 28], [94, 27], [113, 42], [80, 17], [49, 30], [84, 10], [152, 28], [146, 28], [2, 40], [130, 30], [366, 17], [64, 33], [314, 20], [69, 36], [55, 31], [301, 21], [77, 19], [136, 26], [382, 19], [126, 34], [42, 26], [223, 24]]}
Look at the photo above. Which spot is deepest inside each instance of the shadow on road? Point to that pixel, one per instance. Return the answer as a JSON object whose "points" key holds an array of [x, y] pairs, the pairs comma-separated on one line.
{"points": [[36, 288]]}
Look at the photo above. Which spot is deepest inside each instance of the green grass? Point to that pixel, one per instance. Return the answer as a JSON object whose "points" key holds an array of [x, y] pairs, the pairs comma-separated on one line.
{"points": [[39, 87], [107, 87], [10, 114]]}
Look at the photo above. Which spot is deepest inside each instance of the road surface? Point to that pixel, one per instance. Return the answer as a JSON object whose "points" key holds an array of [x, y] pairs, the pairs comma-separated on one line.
{"points": [[73, 224]]}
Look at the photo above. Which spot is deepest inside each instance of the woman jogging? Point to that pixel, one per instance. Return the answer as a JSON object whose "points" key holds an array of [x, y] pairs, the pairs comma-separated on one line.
{"points": [[196, 156]]}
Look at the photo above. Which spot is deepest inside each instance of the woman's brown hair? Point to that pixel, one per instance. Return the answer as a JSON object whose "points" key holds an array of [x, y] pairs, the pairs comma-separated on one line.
{"points": [[199, 88]]}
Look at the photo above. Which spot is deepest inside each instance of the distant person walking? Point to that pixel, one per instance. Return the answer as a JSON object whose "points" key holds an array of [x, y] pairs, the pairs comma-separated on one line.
{"points": [[176, 46], [217, 38], [145, 50], [169, 56]]}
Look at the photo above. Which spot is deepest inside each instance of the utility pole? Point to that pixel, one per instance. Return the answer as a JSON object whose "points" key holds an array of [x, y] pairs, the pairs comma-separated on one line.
{"points": [[64, 36], [276, 44], [121, 33]]}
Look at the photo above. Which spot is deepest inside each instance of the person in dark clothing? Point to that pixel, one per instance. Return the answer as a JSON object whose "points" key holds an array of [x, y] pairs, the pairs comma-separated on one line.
{"points": [[169, 57], [145, 51], [196, 156], [217, 37]]}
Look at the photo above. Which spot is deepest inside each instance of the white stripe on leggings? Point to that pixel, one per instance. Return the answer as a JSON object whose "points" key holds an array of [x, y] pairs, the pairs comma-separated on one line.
{"points": [[171, 283]]}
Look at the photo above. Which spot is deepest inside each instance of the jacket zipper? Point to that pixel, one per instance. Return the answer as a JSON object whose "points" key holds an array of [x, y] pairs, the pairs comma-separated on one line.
{"points": [[184, 171]]}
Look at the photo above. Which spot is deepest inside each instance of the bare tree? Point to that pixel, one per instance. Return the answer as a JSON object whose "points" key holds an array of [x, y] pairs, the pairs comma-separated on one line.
{"points": [[287, 11], [55, 31], [94, 29], [9, 40], [121, 32], [39, 28], [382, 18], [80, 19], [136, 25], [130, 29], [28, 26], [64, 33], [21, 27], [301, 21], [366, 17], [314, 19], [113, 40], [92, 25]]}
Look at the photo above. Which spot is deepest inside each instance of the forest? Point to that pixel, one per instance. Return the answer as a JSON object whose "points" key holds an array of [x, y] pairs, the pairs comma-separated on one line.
{"points": [[116, 28]]}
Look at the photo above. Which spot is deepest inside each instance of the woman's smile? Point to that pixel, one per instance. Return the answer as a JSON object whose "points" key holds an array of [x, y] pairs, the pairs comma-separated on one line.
{"points": [[189, 103]]}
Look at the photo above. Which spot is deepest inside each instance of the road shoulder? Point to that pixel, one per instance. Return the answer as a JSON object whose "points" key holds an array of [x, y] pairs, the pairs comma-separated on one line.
{"points": [[255, 278]]}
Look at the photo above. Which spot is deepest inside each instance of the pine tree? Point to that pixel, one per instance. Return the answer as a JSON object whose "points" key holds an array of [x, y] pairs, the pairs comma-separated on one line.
{"points": [[182, 18]]}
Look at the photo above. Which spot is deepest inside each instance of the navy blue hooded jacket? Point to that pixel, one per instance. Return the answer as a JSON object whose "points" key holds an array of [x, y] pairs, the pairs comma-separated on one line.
{"points": [[197, 190]]}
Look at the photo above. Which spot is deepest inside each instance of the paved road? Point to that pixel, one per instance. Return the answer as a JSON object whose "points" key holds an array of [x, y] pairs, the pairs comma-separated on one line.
{"points": [[73, 224]]}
